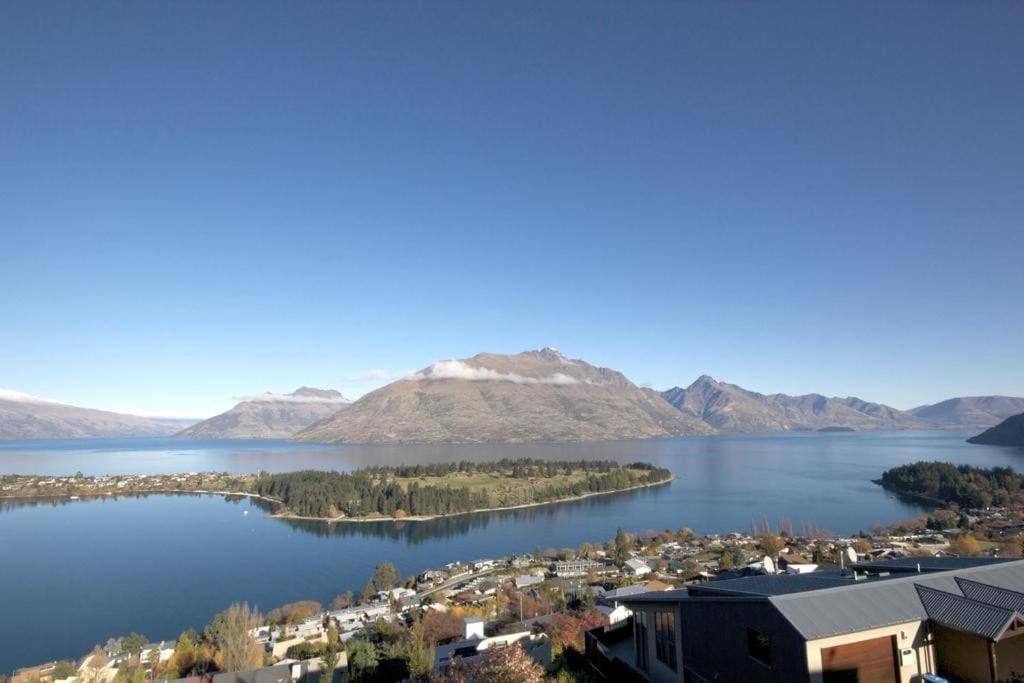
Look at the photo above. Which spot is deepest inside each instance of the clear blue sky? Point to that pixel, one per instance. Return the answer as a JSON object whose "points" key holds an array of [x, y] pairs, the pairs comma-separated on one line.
{"points": [[205, 200]]}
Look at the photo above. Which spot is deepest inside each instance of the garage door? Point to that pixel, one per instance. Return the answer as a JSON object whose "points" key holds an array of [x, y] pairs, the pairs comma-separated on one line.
{"points": [[868, 661]]}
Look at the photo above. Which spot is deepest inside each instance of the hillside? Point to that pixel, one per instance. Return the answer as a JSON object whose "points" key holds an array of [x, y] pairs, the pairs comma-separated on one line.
{"points": [[270, 416], [970, 411], [28, 417], [490, 398], [1009, 432], [733, 409]]}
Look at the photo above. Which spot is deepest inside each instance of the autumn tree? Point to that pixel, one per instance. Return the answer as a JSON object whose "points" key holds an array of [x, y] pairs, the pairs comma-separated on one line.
{"points": [[294, 612], [507, 665], [771, 544], [862, 546], [342, 601], [964, 545], [229, 632], [440, 627]]}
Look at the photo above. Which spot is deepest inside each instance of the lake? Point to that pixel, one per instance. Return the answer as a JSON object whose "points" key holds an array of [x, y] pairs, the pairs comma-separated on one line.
{"points": [[74, 573]]}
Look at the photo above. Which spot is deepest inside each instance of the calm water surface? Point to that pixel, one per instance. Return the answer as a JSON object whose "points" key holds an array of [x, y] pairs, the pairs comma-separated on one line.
{"points": [[75, 573]]}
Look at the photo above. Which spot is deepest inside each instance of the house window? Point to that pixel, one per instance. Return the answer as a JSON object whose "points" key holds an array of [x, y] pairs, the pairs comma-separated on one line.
{"points": [[759, 646], [665, 638], [640, 626]]}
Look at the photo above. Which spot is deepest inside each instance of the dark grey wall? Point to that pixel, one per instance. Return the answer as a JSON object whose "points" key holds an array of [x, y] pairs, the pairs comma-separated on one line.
{"points": [[715, 642]]}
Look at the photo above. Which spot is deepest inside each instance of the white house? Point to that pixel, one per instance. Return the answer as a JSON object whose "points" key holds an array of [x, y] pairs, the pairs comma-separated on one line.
{"points": [[636, 567]]}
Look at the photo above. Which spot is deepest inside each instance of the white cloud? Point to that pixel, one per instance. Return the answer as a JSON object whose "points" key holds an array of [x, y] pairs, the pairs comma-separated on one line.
{"points": [[456, 369], [12, 395], [287, 398], [372, 377]]}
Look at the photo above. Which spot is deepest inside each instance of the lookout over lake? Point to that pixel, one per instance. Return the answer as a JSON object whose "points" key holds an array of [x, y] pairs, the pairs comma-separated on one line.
{"points": [[719, 484]]}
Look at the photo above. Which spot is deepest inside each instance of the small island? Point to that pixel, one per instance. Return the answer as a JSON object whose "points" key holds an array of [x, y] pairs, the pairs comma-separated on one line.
{"points": [[404, 492]]}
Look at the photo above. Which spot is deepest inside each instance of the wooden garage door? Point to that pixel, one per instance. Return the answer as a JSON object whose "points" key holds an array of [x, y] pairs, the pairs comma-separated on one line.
{"points": [[868, 661]]}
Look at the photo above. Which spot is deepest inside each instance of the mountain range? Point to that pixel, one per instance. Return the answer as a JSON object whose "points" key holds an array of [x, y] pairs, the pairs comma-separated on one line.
{"points": [[732, 409], [1009, 432], [533, 396], [970, 411], [28, 417], [270, 416]]}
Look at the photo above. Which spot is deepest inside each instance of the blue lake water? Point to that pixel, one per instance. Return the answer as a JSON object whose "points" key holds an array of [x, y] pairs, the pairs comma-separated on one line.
{"points": [[73, 573]]}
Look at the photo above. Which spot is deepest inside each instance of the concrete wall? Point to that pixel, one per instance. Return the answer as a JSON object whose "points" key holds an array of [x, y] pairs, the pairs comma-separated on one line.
{"points": [[909, 636]]}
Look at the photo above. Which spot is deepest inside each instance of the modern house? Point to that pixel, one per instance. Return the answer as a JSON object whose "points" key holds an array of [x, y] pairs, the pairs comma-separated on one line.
{"points": [[474, 644], [891, 622]]}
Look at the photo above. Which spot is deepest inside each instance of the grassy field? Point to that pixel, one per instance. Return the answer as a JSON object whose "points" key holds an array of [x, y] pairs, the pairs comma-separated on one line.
{"points": [[501, 487]]}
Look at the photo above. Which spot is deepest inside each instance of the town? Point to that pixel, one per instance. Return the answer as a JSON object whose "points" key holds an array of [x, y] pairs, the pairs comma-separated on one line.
{"points": [[585, 613]]}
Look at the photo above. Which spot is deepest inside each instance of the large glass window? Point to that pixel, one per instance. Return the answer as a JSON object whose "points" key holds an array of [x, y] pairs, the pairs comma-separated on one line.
{"points": [[640, 627], [759, 646], [665, 638]]}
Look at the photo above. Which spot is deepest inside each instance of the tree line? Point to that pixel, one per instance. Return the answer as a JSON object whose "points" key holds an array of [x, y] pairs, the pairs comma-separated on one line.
{"points": [[963, 485]]}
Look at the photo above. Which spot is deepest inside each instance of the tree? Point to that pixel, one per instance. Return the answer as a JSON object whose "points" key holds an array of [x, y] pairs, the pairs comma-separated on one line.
{"points": [[862, 546], [294, 612], [440, 627], [63, 669], [621, 551], [771, 544], [507, 665], [964, 545], [362, 659], [133, 643], [342, 601], [329, 659], [229, 632]]}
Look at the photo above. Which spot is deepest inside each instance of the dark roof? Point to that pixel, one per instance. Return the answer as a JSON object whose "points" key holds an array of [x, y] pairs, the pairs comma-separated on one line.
{"points": [[829, 606], [929, 564], [773, 584], [992, 595], [963, 614]]}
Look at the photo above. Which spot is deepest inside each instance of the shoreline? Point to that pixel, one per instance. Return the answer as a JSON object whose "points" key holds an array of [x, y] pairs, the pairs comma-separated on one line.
{"points": [[326, 520]]}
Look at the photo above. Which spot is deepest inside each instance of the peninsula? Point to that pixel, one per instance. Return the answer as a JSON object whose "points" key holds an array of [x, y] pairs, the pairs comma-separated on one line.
{"points": [[405, 492]]}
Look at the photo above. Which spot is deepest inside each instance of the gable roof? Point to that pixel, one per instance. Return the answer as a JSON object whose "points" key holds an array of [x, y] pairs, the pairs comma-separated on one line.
{"points": [[963, 614], [831, 604]]}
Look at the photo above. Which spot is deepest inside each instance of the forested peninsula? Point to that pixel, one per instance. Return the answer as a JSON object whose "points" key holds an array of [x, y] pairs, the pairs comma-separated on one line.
{"points": [[409, 492], [962, 485]]}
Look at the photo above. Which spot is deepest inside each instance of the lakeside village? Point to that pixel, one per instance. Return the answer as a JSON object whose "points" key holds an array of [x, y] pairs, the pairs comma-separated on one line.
{"points": [[936, 598]]}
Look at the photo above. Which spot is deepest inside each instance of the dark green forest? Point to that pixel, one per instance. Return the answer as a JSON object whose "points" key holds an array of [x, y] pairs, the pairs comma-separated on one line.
{"points": [[375, 491], [963, 485]]}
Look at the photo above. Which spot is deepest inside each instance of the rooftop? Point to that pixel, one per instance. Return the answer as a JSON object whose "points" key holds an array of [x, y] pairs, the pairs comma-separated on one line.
{"points": [[822, 604]]}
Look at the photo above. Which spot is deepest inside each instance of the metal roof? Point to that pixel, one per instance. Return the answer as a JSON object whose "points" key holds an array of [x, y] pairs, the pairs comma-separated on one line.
{"points": [[963, 614], [992, 595], [929, 564], [823, 607]]}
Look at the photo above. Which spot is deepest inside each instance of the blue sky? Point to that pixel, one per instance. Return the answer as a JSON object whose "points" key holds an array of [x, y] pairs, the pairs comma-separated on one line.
{"points": [[206, 200]]}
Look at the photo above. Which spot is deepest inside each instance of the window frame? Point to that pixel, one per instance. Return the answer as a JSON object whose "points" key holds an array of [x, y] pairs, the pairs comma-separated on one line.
{"points": [[665, 638], [752, 635]]}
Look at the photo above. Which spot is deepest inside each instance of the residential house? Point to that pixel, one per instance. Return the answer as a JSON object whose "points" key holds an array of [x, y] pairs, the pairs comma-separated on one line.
{"points": [[892, 621], [474, 644], [577, 567], [526, 580], [636, 567]]}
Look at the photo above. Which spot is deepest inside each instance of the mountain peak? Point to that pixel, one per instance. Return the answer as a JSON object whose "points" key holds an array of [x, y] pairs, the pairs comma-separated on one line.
{"points": [[704, 380]]}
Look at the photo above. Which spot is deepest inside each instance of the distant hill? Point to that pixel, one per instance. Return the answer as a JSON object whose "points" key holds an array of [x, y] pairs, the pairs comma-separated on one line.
{"points": [[28, 417], [970, 411], [733, 409], [489, 398], [1009, 432], [270, 416]]}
